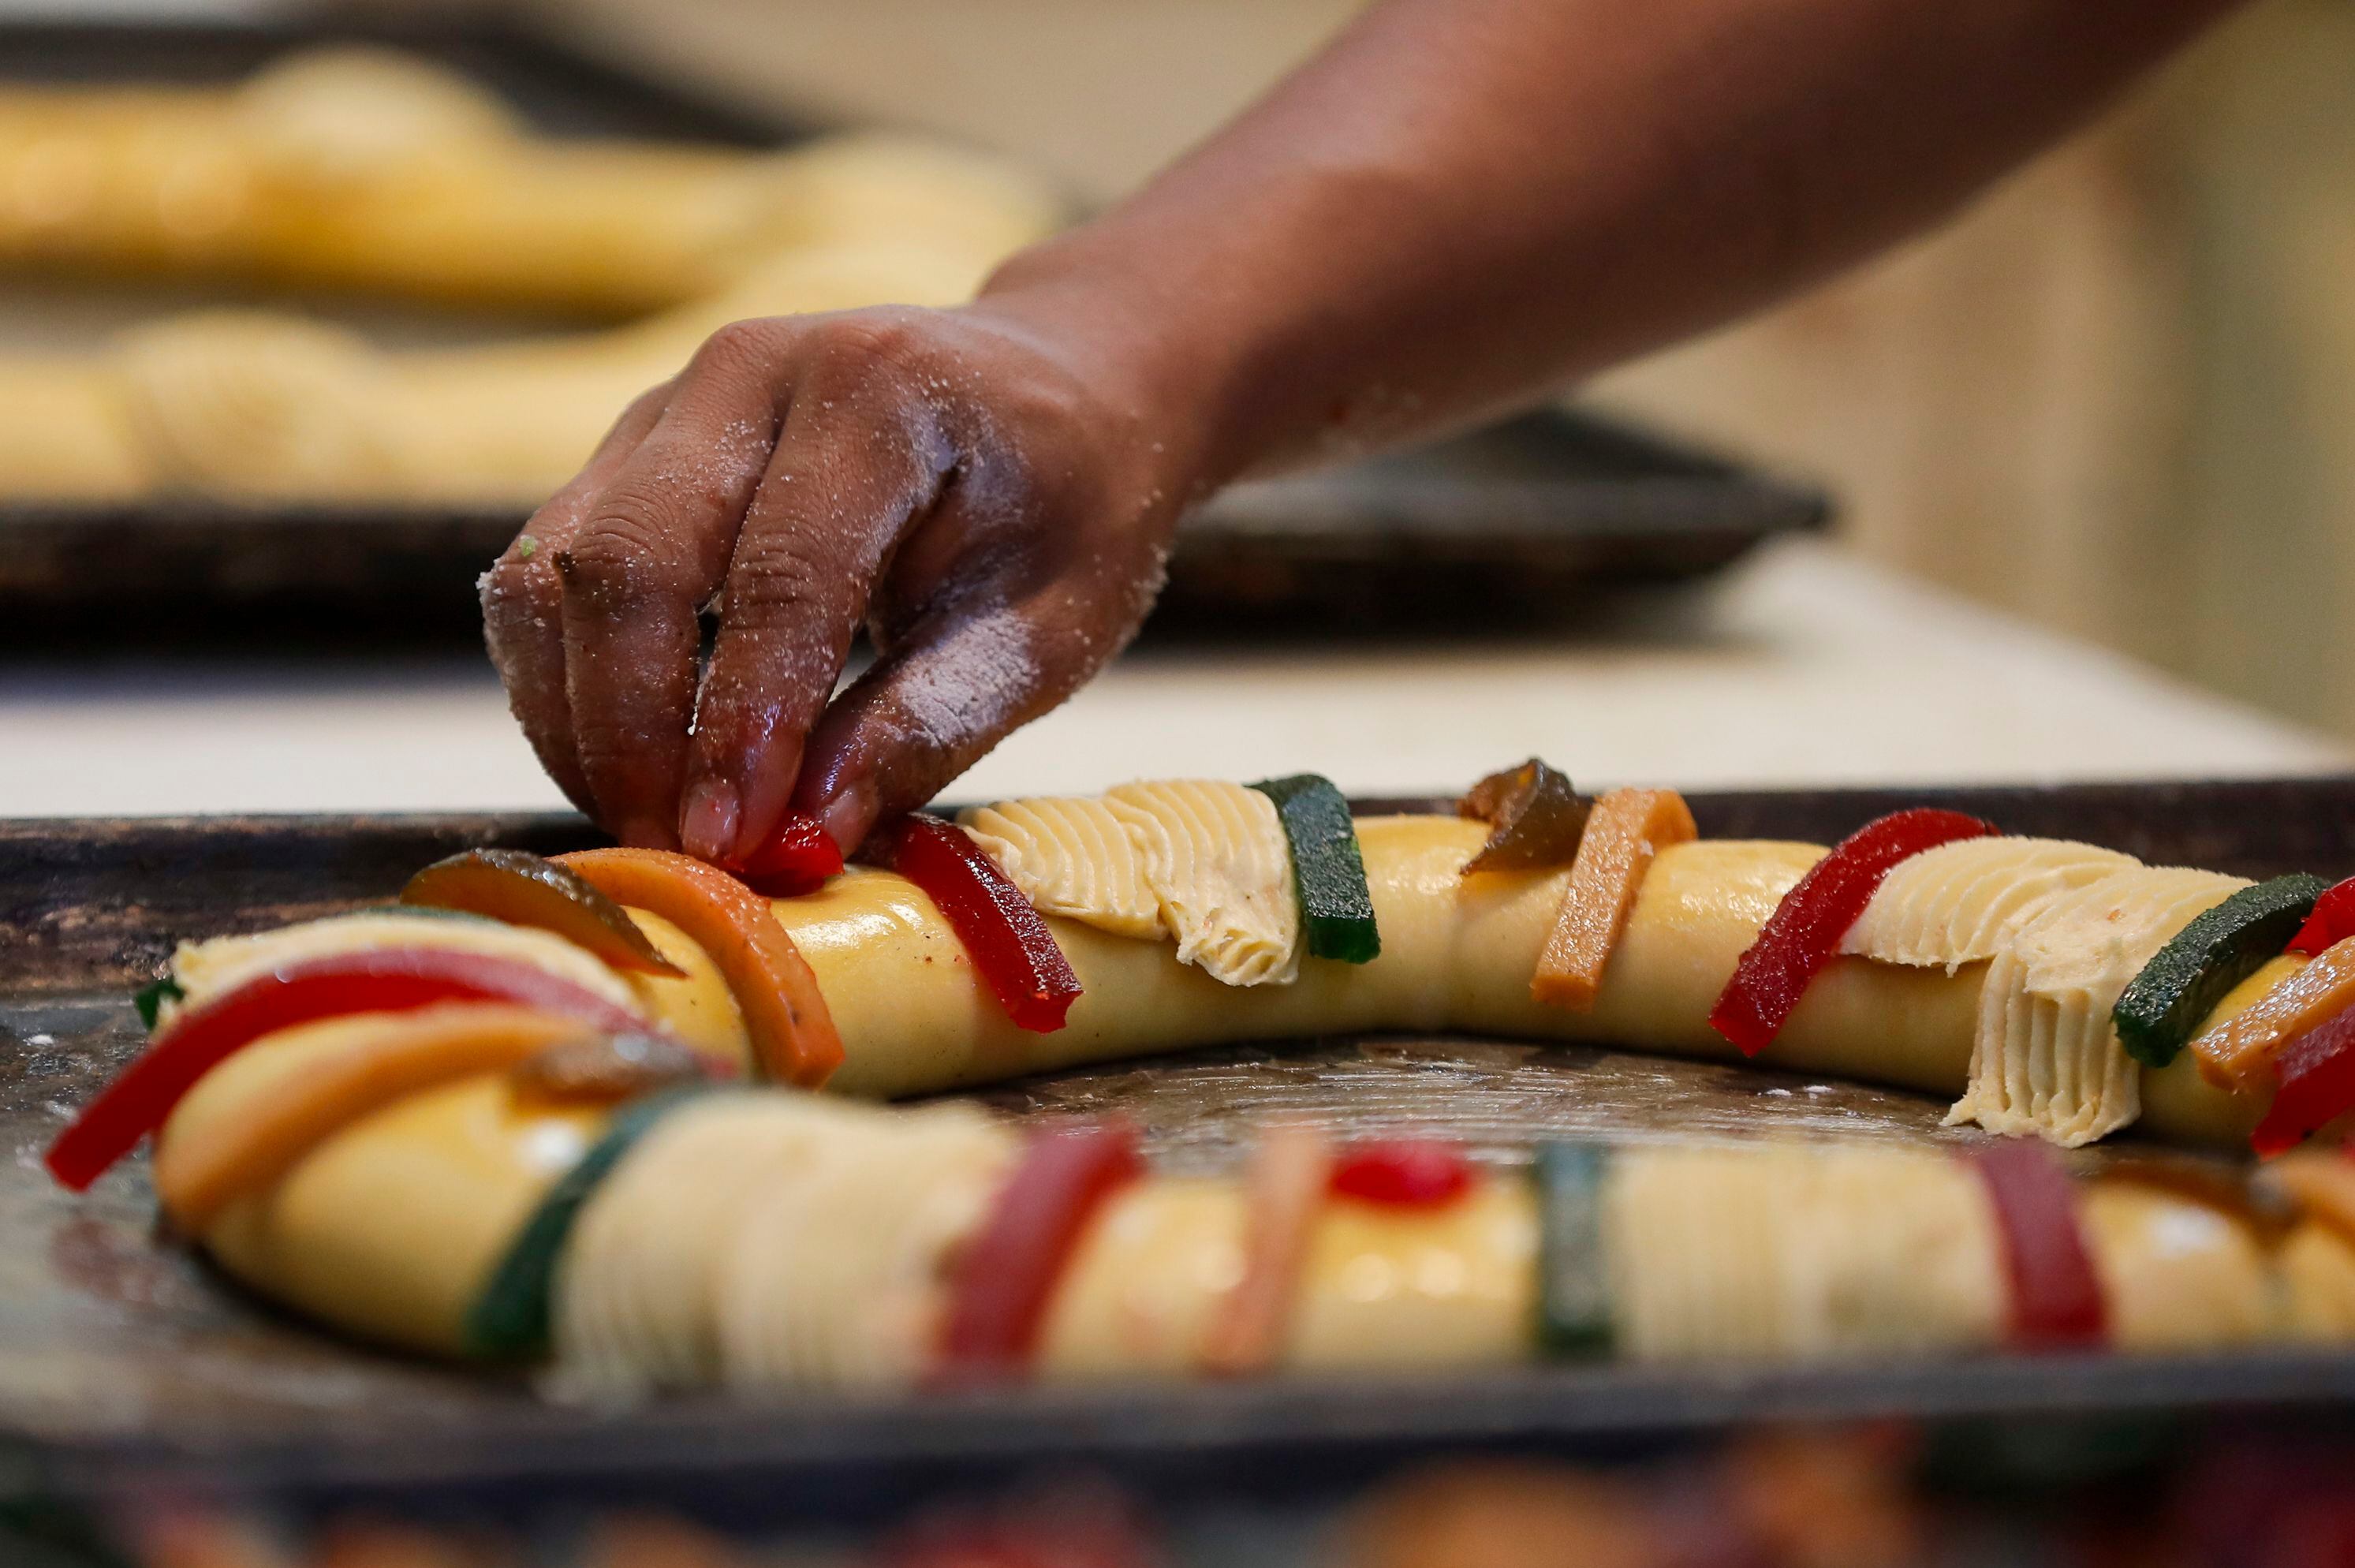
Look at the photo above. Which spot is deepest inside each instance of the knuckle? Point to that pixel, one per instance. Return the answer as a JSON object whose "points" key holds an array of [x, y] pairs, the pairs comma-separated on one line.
{"points": [[775, 581], [913, 752], [740, 345], [1045, 453], [1003, 484], [628, 553], [866, 347], [650, 402]]}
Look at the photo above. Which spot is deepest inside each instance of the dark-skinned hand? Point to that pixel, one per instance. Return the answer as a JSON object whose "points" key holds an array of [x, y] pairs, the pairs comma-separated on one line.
{"points": [[995, 517]]}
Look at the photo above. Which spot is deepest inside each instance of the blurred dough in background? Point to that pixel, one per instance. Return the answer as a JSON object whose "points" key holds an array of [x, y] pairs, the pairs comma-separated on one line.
{"points": [[370, 171]]}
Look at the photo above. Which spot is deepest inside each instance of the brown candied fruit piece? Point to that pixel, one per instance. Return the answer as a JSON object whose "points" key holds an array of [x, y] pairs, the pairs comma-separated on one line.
{"points": [[523, 889], [1536, 818], [607, 1070]]}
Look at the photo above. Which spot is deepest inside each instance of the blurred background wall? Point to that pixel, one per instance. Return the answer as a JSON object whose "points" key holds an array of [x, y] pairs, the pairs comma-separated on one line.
{"points": [[2117, 396]]}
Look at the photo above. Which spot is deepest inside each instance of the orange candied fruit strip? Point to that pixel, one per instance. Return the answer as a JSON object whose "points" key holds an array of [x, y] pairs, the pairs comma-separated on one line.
{"points": [[2321, 1182], [387, 1057], [2239, 1052], [1626, 828], [794, 1038], [1290, 1173]]}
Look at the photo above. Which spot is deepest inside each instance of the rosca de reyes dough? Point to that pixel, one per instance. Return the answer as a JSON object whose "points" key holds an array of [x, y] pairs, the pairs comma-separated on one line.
{"points": [[635, 1105]]}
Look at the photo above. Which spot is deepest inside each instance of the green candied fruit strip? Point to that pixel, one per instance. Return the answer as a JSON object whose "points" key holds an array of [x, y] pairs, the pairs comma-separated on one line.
{"points": [[1573, 1288], [510, 1320], [1336, 908], [150, 999], [2164, 1005]]}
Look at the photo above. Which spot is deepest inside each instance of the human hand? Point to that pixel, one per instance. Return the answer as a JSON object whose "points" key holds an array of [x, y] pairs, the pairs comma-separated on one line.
{"points": [[992, 500]]}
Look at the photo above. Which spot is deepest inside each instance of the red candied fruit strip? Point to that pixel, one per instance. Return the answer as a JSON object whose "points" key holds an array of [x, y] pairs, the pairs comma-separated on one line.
{"points": [[2332, 921], [1006, 1275], [800, 858], [1800, 937], [1402, 1173], [1005, 938], [380, 980], [2056, 1297], [2316, 1086]]}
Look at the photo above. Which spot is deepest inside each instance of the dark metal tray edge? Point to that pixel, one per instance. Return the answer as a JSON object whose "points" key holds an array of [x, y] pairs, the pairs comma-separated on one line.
{"points": [[87, 903], [1161, 1427]]}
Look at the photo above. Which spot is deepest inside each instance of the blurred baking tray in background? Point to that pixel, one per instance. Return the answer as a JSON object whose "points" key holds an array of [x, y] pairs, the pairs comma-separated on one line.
{"points": [[1510, 524]]}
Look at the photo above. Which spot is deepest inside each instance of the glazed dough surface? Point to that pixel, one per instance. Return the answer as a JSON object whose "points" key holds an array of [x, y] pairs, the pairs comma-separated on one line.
{"points": [[1396, 1289], [1456, 954], [467, 1165], [1147, 1281], [2176, 1274], [2318, 1269]]}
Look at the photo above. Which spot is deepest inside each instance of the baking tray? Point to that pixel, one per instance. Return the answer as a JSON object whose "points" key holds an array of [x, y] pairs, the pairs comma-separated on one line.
{"points": [[122, 1357], [1512, 522]]}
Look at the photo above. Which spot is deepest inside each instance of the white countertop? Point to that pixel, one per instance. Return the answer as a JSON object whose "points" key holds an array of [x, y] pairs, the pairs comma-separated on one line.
{"points": [[1803, 666]]}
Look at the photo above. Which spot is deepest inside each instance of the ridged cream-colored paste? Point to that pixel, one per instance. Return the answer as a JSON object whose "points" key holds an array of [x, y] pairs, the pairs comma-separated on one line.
{"points": [[838, 1280], [2044, 1060], [1070, 856], [1790, 1251], [1221, 869], [1959, 903], [632, 1308]]}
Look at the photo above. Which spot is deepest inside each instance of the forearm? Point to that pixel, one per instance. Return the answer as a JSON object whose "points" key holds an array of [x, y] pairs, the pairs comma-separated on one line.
{"points": [[1462, 203]]}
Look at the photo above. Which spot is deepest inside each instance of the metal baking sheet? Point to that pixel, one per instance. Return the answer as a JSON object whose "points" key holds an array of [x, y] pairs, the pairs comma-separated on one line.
{"points": [[1511, 521], [122, 1356]]}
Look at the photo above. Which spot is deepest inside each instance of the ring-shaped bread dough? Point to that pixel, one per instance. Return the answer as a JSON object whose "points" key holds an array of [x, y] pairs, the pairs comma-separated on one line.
{"points": [[1457, 957]]}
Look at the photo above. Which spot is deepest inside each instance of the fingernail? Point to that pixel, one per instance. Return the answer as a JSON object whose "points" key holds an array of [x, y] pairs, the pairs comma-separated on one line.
{"points": [[847, 817], [707, 826]]}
